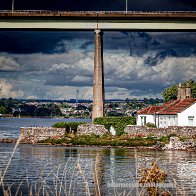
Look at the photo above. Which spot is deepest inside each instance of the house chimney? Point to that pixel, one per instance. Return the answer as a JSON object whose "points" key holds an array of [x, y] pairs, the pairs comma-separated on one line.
{"points": [[188, 90], [184, 91]]}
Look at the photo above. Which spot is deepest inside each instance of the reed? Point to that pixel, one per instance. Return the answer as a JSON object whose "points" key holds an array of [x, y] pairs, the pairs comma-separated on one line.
{"points": [[59, 182]]}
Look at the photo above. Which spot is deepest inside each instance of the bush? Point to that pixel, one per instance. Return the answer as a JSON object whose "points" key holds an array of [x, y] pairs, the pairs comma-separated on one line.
{"points": [[69, 126], [166, 139], [105, 140], [150, 125], [119, 123]]}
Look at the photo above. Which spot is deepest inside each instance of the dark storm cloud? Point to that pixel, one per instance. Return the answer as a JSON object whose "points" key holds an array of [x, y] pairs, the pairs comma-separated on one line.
{"points": [[137, 43], [106, 5], [157, 45], [86, 44], [38, 41]]}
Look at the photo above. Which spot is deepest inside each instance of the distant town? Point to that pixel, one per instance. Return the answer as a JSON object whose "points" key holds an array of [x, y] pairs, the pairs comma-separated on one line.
{"points": [[71, 108]]}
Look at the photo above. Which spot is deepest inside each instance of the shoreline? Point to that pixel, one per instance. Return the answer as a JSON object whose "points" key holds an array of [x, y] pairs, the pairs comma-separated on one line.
{"points": [[14, 140], [63, 117]]}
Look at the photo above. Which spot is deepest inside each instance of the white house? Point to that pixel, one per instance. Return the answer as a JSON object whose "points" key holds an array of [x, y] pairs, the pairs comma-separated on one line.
{"points": [[147, 115], [180, 112], [175, 113]]}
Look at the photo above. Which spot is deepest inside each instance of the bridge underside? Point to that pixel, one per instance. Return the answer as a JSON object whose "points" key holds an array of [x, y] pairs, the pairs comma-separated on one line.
{"points": [[147, 25]]}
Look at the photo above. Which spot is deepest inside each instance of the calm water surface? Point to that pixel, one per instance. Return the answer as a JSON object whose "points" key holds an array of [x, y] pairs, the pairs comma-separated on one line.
{"points": [[73, 166]]}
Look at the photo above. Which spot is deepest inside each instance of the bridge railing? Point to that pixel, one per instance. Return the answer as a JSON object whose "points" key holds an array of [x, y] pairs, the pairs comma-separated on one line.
{"points": [[124, 12], [92, 12]]}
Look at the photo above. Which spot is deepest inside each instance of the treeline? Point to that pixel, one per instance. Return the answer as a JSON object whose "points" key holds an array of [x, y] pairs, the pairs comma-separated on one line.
{"points": [[16, 108]]}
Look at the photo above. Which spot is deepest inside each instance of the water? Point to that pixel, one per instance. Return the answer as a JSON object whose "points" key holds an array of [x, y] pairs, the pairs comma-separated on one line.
{"points": [[49, 166], [112, 165], [10, 127]]}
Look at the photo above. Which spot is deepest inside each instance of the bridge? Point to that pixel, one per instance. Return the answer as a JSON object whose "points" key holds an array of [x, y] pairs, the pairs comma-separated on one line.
{"points": [[98, 22], [40, 19]]}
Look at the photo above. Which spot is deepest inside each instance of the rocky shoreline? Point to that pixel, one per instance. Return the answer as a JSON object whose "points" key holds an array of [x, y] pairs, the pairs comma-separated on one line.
{"points": [[174, 144], [8, 140]]}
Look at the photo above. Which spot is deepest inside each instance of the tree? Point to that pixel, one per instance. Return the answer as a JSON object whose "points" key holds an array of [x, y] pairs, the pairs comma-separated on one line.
{"points": [[3, 110], [127, 101], [171, 92], [192, 84], [145, 100]]}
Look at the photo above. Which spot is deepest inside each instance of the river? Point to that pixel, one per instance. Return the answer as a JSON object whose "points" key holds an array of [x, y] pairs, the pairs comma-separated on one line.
{"points": [[75, 168]]}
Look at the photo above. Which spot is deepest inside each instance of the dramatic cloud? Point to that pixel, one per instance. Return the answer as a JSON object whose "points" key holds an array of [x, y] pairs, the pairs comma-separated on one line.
{"points": [[8, 64], [122, 70], [7, 90], [139, 64]]}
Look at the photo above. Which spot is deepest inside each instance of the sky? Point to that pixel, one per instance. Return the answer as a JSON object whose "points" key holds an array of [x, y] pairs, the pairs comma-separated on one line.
{"points": [[54, 64]]}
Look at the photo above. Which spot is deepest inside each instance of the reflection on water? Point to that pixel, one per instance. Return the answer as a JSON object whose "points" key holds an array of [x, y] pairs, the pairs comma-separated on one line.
{"points": [[100, 165]]}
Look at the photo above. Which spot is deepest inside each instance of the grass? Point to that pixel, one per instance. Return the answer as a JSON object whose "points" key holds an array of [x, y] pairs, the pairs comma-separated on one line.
{"points": [[105, 140], [124, 140]]}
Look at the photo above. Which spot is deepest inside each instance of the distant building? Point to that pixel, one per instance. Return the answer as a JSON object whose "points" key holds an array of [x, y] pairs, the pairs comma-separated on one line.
{"points": [[180, 112]]}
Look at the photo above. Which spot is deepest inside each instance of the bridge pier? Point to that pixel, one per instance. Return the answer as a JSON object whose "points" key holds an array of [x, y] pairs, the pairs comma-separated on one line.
{"points": [[98, 83]]}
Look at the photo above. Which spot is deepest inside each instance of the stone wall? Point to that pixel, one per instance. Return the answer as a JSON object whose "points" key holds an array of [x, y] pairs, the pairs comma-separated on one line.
{"points": [[179, 131], [88, 129], [32, 135], [176, 144]]}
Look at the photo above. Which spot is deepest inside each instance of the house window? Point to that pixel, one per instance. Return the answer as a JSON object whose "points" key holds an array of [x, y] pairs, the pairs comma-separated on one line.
{"points": [[143, 120], [190, 120]]}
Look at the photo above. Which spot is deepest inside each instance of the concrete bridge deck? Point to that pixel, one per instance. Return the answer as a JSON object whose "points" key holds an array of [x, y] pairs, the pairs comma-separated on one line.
{"points": [[64, 20]]}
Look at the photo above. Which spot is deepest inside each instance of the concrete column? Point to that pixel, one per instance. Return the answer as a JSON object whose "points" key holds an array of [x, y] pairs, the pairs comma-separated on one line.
{"points": [[98, 83]]}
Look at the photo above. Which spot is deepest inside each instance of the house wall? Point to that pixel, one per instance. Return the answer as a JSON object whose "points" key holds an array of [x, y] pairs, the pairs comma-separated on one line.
{"points": [[149, 118], [185, 116], [163, 121]]}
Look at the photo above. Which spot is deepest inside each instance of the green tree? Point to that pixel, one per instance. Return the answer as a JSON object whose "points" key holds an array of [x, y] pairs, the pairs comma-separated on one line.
{"points": [[3, 110], [192, 84], [127, 101], [145, 100], [170, 93]]}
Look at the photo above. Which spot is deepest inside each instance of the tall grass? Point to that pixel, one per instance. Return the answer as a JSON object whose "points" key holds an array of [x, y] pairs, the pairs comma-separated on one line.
{"points": [[9, 161], [59, 182]]}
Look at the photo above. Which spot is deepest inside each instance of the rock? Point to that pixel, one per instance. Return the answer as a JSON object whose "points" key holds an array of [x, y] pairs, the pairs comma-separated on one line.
{"points": [[112, 131], [159, 146], [89, 129], [176, 144], [8, 140]]}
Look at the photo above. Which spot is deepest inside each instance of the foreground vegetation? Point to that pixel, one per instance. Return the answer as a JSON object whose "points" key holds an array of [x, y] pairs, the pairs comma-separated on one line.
{"points": [[119, 123], [72, 177], [121, 138], [124, 140], [71, 127]]}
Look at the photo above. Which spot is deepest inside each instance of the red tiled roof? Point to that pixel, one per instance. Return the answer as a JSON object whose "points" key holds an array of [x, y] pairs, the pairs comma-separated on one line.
{"points": [[149, 110], [171, 107], [176, 106]]}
